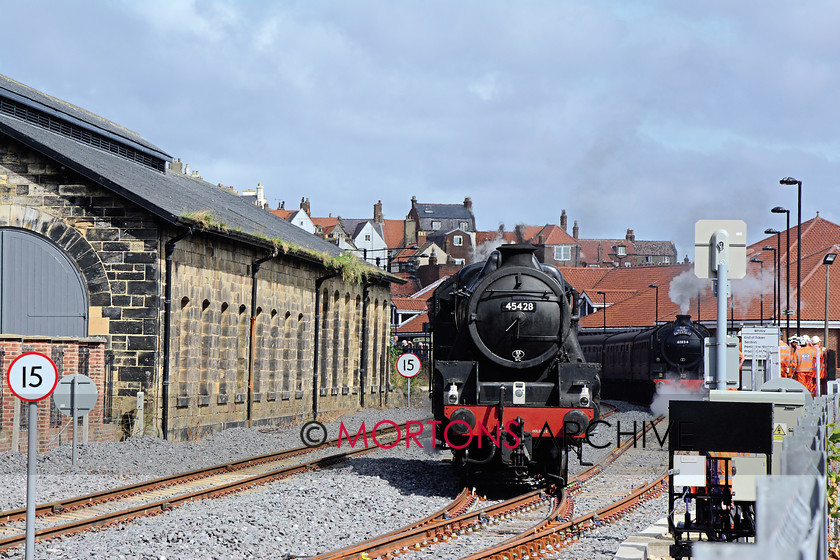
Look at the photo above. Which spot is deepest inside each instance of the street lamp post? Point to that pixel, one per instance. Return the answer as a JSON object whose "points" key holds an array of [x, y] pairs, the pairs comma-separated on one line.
{"points": [[604, 310], [761, 312], [775, 272], [827, 260], [780, 210], [656, 320], [792, 181], [770, 231]]}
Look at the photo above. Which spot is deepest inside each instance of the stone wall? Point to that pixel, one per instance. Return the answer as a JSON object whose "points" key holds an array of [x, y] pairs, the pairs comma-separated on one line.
{"points": [[211, 364]]}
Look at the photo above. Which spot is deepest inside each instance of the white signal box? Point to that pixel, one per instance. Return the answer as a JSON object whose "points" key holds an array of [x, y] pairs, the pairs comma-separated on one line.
{"points": [[717, 241]]}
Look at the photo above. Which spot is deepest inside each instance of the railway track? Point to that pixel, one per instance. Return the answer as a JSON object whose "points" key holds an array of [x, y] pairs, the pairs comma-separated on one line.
{"points": [[516, 522], [155, 496]]}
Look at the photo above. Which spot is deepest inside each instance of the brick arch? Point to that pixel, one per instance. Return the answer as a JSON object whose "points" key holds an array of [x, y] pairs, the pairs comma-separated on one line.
{"points": [[68, 239]]}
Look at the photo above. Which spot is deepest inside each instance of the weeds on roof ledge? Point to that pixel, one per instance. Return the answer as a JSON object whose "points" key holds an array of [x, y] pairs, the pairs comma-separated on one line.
{"points": [[350, 268], [205, 219]]}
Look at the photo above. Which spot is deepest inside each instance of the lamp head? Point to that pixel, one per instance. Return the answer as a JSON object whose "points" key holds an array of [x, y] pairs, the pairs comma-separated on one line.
{"points": [[789, 181], [771, 231], [653, 286], [768, 248], [756, 259], [829, 258], [779, 210]]}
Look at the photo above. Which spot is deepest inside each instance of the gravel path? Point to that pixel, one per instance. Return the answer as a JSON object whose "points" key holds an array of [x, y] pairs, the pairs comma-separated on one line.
{"points": [[300, 516]]}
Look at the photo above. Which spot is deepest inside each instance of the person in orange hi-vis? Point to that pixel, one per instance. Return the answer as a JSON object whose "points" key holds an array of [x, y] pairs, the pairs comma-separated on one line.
{"points": [[803, 365], [784, 357], [819, 361]]}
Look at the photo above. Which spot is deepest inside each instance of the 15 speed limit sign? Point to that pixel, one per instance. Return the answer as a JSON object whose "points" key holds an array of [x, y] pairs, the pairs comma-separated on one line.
{"points": [[32, 376], [408, 365]]}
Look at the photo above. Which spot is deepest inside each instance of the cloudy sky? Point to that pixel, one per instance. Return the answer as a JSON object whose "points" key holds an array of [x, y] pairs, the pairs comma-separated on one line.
{"points": [[643, 115]]}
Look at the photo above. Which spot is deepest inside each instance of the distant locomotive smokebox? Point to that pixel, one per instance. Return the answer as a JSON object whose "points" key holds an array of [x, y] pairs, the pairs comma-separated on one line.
{"points": [[681, 348]]}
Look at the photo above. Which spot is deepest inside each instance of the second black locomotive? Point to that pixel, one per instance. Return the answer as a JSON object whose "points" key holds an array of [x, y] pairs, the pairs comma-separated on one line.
{"points": [[634, 362]]}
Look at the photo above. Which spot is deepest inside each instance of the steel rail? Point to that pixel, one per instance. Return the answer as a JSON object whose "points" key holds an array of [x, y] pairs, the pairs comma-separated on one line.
{"points": [[69, 504], [159, 506]]}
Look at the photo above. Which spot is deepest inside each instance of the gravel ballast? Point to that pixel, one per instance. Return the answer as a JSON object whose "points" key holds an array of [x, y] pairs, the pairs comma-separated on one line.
{"points": [[300, 516]]}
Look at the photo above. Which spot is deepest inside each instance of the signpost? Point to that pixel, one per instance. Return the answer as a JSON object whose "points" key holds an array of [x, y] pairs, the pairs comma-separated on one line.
{"points": [[31, 377], [720, 252], [75, 396], [408, 365]]}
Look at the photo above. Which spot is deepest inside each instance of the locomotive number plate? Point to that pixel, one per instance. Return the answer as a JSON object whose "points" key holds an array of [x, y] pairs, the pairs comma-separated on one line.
{"points": [[529, 306]]}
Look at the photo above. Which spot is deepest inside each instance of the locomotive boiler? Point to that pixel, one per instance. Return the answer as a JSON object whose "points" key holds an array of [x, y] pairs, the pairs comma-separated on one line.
{"points": [[511, 390], [635, 362]]}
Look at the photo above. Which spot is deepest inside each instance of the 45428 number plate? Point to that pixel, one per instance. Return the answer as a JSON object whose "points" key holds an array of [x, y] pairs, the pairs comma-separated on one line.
{"points": [[527, 306]]}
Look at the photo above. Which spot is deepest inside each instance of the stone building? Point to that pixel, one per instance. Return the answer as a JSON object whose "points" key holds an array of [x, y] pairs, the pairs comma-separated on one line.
{"points": [[152, 281]]}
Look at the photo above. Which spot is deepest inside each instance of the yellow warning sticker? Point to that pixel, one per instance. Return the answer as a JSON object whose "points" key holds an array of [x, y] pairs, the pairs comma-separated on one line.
{"points": [[779, 431]]}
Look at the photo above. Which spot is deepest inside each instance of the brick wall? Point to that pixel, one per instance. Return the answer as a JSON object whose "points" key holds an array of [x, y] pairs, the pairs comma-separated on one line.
{"points": [[71, 355]]}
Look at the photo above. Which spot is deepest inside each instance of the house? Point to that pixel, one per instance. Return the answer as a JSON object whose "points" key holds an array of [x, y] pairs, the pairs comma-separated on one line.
{"points": [[625, 252], [425, 220], [299, 217]]}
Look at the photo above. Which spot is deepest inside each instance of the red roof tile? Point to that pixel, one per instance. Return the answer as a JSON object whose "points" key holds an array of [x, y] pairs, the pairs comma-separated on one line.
{"points": [[285, 214], [394, 231]]}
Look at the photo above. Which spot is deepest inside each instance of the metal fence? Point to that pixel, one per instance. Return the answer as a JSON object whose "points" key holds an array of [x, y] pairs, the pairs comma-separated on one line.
{"points": [[791, 516]]}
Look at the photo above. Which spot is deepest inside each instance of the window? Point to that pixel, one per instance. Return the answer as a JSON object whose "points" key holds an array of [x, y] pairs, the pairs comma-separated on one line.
{"points": [[666, 260], [367, 237], [648, 259], [458, 240], [435, 225], [459, 261], [464, 226], [563, 253], [620, 250]]}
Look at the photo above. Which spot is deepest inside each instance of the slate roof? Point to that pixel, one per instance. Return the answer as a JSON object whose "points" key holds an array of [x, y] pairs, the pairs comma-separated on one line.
{"points": [[50, 105], [354, 226], [169, 196], [444, 211]]}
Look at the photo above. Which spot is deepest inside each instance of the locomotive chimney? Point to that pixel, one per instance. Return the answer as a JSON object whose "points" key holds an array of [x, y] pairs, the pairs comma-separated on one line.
{"points": [[517, 255], [684, 320]]}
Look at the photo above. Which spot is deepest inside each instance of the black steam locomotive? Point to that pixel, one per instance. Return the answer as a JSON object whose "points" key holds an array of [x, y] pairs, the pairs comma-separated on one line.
{"points": [[511, 387], [634, 362]]}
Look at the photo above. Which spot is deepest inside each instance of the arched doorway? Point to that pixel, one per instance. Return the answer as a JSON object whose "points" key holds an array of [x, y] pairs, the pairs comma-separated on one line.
{"points": [[41, 290]]}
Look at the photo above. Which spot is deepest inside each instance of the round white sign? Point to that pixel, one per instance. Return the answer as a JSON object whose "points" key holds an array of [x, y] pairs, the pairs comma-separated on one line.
{"points": [[408, 365], [32, 376]]}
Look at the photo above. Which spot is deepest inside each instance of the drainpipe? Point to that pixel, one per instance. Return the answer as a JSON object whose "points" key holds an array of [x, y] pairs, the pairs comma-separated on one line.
{"points": [[167, 327], [255, 268], [363, 358], [318, 283]]}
